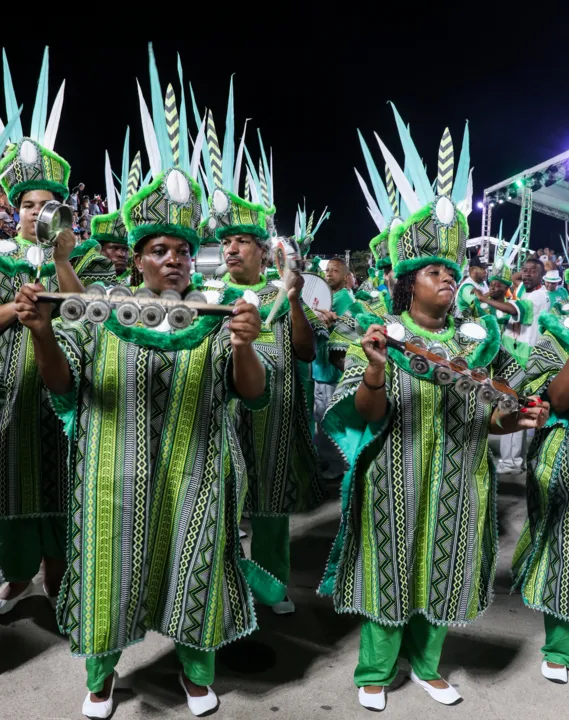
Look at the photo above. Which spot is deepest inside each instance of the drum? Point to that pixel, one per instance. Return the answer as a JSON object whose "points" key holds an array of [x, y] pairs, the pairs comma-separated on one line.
{"points": [[52, 219], [316, 292]]}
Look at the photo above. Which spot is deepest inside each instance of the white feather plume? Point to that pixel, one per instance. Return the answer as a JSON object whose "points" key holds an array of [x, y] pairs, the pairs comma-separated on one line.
{"points": [[403, 185], [54, 118], [150, 138]]}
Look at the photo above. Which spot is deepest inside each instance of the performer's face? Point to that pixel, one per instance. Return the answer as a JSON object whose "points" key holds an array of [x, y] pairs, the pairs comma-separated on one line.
{"points": [[336, 274], [552, 286], [117, 254], [532, 275], [30, 205], [435, 288], [498, 290], [244, 258], [165, 263]]}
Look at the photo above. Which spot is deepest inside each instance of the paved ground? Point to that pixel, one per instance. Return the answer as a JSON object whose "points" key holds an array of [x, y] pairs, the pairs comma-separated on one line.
{"points": [[299, 666]]}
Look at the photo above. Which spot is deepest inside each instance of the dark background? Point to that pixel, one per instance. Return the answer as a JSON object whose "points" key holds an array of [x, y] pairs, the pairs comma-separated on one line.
{"points": [[310, 76]]}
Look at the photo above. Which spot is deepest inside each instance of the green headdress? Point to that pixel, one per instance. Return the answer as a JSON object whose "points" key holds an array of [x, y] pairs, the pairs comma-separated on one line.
{"points": [[304, 230], [386, 208], [111, 227], [171, 203], [30, 162], [436, 230], [504, 258], [228, 212]]}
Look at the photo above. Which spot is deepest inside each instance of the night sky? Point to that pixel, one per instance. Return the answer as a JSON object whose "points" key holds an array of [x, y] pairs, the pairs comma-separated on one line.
{"points": [[319, 77]]}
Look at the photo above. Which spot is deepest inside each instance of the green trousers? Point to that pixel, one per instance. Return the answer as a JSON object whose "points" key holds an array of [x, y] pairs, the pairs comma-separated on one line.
{"points": [[25, 541], [419, 641], [556, 648], [198, 665], [270, 545]]}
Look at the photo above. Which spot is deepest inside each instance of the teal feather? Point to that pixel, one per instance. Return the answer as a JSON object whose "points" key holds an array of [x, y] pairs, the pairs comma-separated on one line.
{"points": [[423, 188], [379, 188], [147, 178], [5, 134], [205, 149], [254, 176], [463, 169], [125, 166], [16, 133], [266, 168], [184, 144], [158, 117], [500, 236], [39, 117], [512, 243], [325, 215], [116, 177], [228, 157]]}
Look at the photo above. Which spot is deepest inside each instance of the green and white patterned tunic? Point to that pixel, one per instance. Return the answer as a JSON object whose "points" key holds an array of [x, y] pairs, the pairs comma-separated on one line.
{"points": [[157, 488], [277, 443], [33, 448], [541, 559], [418, 530]]}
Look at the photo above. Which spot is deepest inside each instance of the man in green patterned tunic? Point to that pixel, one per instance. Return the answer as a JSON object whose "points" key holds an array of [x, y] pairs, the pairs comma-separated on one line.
{"points": [[33, 448], [277, 443], [416, 548], [158, 478]]}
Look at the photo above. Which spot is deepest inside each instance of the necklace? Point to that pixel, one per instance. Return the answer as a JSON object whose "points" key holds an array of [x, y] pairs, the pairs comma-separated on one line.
{"points": [[443, 335]]}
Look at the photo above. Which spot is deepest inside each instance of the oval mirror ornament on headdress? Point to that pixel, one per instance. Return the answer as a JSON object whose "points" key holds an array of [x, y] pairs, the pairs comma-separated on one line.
{"points": [[177, 187], [444, 210], [28, 153], [473, 331], [219, 202]]}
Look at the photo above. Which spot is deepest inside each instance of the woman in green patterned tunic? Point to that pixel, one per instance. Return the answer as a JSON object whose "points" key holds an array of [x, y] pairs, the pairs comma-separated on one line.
{"points": [[417, 543], [33, 448], [158, 478], [541, 560]]}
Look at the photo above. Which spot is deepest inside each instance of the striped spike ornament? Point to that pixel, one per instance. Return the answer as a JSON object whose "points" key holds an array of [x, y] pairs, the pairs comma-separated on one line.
{"points": [[264, 186], [172, 123], [214, 151], [391, 190], [310, 224], [445, 165], [134, 175]]}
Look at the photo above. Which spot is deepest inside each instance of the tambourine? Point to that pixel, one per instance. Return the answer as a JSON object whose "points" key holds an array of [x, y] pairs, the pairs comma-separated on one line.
{"points": [[316, 292], [287, 256], [52, 219], [209, 259]]}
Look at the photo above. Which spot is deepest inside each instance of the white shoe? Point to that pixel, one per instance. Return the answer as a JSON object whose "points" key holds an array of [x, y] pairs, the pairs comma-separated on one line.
{"points": [[52, 600], [200, 705], [99, 709], [446, 696], [285, 607], [7, 605], [242, 534], [556, 675], [372, 701], [506, 469]]}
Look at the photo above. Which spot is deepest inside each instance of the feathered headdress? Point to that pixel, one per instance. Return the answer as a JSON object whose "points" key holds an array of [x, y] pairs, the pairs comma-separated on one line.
{"points": [[304, 230], [110, 227], [504, 258], [171, 203], [436, 230], [30, 163], [229, 213]]}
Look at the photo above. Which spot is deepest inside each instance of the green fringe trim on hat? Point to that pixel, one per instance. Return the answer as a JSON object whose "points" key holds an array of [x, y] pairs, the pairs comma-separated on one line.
{"points": [[500, 279], [16, 192], [109, 237], [383, 263], [407, 266], [399, 230], [197, 279], [376, 241], [185, 233], [255, 230], [246, 204]]}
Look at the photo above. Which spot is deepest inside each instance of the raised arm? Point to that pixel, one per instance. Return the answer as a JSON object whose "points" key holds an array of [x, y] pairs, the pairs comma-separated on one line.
{"points": [[371, 398], [303, 338]]}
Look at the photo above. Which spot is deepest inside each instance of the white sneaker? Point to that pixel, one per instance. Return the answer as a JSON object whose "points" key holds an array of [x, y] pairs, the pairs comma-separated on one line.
{"points": [[372, 701], [506, 469], [200, 705], [445, 696], [285, 607], [99, 709], [556, 675], [7, 605]]}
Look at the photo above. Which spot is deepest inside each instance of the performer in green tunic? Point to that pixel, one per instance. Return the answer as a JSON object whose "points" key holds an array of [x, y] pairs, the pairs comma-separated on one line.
{"points": [[554, 286], [33, 449], [416, 548], [541, 560], [277, 444], [109, 229], [158, 476]]}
